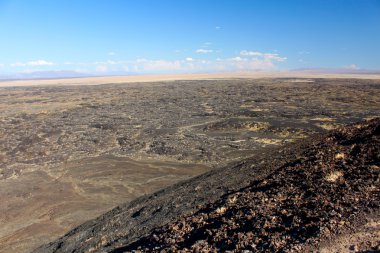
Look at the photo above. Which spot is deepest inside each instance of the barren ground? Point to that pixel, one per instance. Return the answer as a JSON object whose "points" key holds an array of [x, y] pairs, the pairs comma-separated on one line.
{"points": [[318, 194], [70, 153]]}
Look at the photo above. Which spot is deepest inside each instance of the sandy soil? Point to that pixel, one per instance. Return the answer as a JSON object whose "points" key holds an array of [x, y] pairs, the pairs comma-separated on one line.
{"points": [[174, 77], [46, 202]]}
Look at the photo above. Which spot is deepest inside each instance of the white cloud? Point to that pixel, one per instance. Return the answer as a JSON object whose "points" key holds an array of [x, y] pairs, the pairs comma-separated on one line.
{"points": [[126, 68], [101, 68], [141, 60], [244, 61], [32, 63], [218, 27], [1, 65], [248, 61], [264, 56], [238, 58], [274, 57], [39, 63], [108, 62], [203, 51], [206, 44], [143, 65], [352, 67], [243, 64], [18, 64], [111, 53], [161, 65], [250, 53]]}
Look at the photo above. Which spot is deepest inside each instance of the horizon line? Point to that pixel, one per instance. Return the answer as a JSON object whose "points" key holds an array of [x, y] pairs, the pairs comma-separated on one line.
{"points": [[140, 78]]}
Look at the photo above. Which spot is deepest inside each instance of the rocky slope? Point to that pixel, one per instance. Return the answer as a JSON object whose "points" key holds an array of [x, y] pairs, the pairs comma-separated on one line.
{"points": [[295, 198]]}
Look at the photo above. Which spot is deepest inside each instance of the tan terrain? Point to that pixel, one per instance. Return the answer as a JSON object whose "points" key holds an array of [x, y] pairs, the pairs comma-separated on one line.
{"points": [[68, 153]]}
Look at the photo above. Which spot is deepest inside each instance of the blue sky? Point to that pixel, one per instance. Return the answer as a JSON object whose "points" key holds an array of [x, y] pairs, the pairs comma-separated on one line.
{"points": [[124, 37]]}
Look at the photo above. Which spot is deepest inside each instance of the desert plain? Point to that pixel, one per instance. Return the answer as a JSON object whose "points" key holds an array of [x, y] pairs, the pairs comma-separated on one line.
{"points": [[70, 151]]}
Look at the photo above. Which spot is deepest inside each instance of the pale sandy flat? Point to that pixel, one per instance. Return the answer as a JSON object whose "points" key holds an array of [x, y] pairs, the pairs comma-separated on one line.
{"points": [[173, 77]]}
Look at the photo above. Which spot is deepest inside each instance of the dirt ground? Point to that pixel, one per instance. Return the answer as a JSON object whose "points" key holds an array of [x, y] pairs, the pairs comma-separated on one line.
{"points": [[318, 194], [70, 153]]}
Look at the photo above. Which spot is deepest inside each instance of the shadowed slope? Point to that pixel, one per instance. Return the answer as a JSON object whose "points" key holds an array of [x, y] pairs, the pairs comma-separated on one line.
{"points": [[291, 198]]}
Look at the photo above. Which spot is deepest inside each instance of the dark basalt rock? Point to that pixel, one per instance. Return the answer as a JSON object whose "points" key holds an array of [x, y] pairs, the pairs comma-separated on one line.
{"points": [[289, 199]]}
